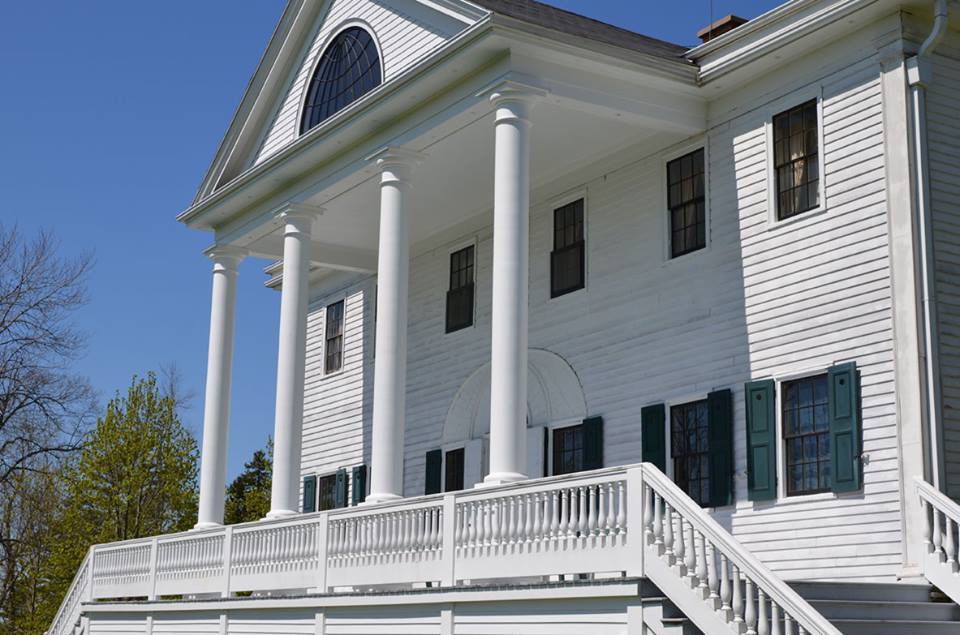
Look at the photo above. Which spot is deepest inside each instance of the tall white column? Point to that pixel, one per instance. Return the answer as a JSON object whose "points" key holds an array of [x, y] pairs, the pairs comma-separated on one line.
{"points": [[216, 405], [390, 369], [511, 234], [291, 361]]}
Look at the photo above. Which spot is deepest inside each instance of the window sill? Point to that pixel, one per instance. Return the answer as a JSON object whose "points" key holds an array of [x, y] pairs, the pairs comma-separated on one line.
{"points": [[774, 224], [671, 261]]}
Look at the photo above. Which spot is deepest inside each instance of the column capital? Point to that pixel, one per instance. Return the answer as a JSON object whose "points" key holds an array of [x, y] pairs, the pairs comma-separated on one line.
{"points": [[226, 257], [396, 163], [299, 216], [513, 99]]}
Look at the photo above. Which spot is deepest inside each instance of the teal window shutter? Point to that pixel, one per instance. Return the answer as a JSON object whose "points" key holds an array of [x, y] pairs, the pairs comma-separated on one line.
{"points": [[359, 493], [720, 425], [845, 429], [433, 482], [340, 491], [653, 439], [761, 440], [309, 494], [593, 443]]}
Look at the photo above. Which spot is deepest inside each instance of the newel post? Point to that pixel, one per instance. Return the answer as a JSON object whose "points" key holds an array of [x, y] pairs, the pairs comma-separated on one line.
{"points": [[89, 572], [227, 560], [152, 595], [323, 531], [635, 516], [448, 540]]}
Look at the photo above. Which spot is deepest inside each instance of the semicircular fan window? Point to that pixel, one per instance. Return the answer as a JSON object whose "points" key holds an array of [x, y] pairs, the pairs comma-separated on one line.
{"points": [[348, 69]]}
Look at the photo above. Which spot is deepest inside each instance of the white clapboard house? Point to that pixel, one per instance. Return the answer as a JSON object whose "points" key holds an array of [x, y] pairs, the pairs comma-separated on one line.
{"points": [[582, 331]]}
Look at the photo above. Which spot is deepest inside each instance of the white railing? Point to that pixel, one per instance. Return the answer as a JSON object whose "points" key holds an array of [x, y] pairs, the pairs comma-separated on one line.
{"points": [[628, 521], [941, 524]]}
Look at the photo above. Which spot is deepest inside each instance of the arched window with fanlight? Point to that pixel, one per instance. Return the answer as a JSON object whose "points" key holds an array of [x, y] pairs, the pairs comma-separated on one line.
{"points": [[348, 69]]}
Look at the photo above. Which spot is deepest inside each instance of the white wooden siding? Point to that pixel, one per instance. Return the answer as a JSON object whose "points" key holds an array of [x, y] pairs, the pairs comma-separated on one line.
{"points": [[118, 625], [403, 38], [763, 300], [944, 147]]}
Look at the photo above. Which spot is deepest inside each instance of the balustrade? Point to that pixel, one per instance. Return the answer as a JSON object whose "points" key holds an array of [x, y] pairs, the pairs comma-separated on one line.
{"points": [[941, 523]]}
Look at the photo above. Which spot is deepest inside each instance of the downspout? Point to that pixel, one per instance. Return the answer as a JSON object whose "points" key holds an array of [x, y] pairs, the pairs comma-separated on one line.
{"points": [[920, 76]]}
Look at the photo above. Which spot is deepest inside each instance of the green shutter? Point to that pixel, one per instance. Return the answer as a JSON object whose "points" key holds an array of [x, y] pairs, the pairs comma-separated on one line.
{"points": [[340, 491], [653, 440], [359, 493], [761, 440], [432, 483], [593, 443], [309, 494], [720, 423], [845, 431]]}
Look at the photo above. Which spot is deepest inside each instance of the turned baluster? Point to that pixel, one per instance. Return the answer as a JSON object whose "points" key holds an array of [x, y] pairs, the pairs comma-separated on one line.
{"points": [[927, 525], [775, 621], [621, 507], [583, 516], [702, 574], [737, 596], [593, 511], [540, 527], [680, 549], [668, 531], [510, 511], [603, 514], [787, 625], [648, 506], [950, 545], [486, 510], [724, 584], [763, 625], [691, 554], [496, 517], [801, 630], [554, 514], [528, 524], [937, 534], [564, 512], [750, 615], [713, 582], [657, 520]]}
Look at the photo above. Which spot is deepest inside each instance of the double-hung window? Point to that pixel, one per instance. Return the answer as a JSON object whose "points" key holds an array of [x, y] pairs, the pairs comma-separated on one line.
{"points": [[806, 434], [568, 450], [686, 199], [460, 293], [327, 492], [333, 349], [567, 257], [796, 160], [690, 449], [453, 470]]}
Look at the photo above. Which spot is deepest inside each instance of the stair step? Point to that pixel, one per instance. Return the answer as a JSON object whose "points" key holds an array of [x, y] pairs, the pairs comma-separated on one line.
{"points": [[863, 591], [877, 610], [896, 627]]}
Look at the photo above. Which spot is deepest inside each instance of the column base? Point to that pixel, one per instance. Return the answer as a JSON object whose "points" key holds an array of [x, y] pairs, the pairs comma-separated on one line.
{"points": [[275, 514], [501, 478], [206, 525], [376, 499]]}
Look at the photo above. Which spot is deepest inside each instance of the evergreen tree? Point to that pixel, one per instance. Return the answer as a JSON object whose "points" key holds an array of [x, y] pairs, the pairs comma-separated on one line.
{"points": [[248, 495]]}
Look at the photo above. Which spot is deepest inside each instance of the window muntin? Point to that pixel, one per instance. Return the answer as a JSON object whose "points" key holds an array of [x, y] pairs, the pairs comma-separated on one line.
{"points": [[689, 448], [567, 257], [327, 492], [460, 293], [568, 450], [686, 200], [453, 470], [348, 69], [796, 159], [806, 433], [333, 350]]}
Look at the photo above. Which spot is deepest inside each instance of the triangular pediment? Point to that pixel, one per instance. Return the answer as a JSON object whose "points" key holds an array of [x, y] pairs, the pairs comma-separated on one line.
{"points": [[268, 119]]}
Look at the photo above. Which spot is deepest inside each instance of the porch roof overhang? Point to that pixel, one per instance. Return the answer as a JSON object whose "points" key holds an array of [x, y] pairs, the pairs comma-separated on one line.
{"points": [[600, 99]]}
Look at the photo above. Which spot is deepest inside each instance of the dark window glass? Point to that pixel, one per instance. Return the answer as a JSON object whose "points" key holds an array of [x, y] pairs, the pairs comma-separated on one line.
{"points": [[568, 450], [460, 291], [566, 260], [327, 490], [806, 434], [453, 470], [689, 447], [348, 69], [796, 160], [687, 203], [334, 338]]}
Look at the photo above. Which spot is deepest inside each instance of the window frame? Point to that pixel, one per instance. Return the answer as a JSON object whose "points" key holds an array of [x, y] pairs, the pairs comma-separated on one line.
{"points": [[779, 106], [343, 343], [783, 440], [329, 475], [553, 205], [677, 152], [704, 399], [315, 62], [678, 400], [452, 249]]}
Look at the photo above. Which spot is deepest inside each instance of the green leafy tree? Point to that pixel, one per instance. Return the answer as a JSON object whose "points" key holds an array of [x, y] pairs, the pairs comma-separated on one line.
{"points": [[248, 495]]}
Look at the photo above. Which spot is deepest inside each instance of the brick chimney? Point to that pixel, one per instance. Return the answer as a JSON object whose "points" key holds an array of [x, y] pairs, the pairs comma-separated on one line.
{"points": [[721, 26]]}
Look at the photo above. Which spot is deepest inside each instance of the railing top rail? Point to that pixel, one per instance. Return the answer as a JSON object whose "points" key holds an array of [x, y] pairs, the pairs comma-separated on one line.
{"points": [[791, 601], [77, 579], [544, 484], [944, 503]]}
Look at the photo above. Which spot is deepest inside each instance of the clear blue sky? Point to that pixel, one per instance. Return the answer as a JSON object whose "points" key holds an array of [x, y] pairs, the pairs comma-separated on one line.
{"points": [[110, 111]]}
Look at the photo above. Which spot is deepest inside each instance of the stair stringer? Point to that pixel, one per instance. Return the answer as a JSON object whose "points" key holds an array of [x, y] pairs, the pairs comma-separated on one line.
{"points": [[679, 592]]}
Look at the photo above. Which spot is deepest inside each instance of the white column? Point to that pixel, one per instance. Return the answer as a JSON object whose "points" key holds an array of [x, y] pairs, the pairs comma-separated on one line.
{"points": [[511, 231], [390, 369], [291, 361], [216, 406]]}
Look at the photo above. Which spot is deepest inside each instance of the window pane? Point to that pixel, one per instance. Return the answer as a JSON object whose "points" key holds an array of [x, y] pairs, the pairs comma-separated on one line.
{"points": [[334, 338], [685, 198], [796, 159], [806, 434], [689, 448]]}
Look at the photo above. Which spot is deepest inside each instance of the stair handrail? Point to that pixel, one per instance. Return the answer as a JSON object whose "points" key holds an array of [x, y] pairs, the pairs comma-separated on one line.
{"points": [[941, 522], [69, 611], [758, 573]]}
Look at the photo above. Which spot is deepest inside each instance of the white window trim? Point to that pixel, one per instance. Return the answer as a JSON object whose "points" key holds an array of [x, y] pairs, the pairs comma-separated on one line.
{"points": [[666, 157], [553, 205], [321, 475], [452, 249], [548, 444], [327, 303], [668, 436], [779, 380], [772, 109]]}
